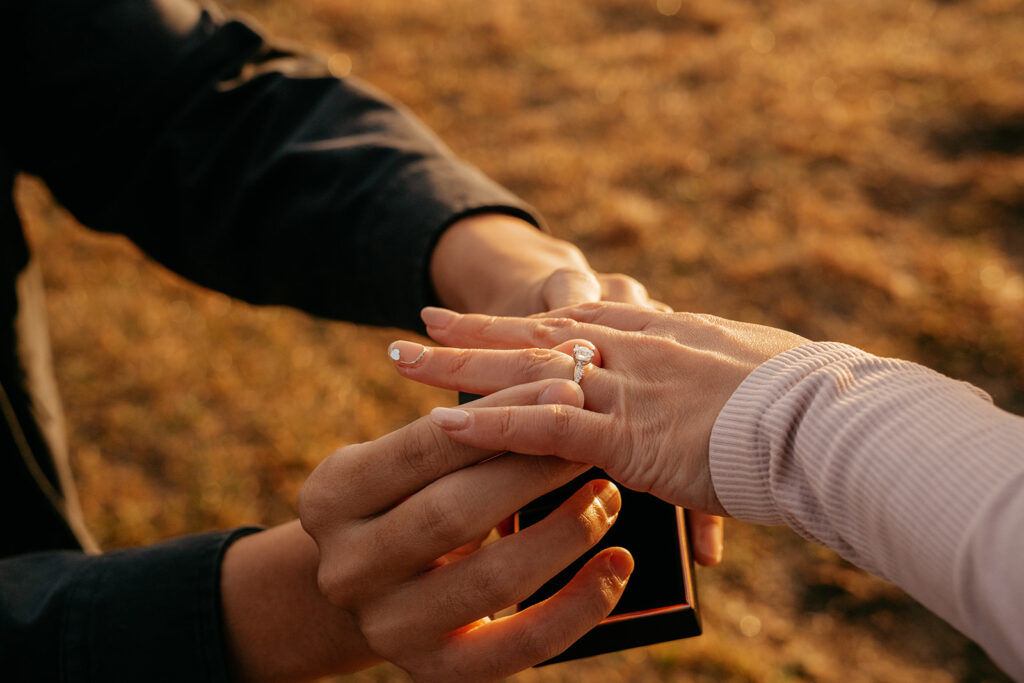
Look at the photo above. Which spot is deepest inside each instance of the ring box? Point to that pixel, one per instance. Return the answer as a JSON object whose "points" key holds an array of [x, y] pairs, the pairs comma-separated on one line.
{"points": [[660, 600]]}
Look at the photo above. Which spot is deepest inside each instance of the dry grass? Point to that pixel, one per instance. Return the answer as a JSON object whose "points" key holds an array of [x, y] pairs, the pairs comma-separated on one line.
{"points": [[851, 171]]}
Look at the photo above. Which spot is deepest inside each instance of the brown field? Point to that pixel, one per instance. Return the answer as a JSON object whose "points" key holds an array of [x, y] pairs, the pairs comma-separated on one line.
{"points": [[848, 170]]}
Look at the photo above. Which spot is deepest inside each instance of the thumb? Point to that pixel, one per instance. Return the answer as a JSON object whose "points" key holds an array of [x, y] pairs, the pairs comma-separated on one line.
{"points": [[570, 286]]}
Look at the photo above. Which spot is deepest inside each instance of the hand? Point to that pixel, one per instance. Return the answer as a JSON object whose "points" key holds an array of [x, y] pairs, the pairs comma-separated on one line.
{"points": [[658, 385], [497, 264], [398, 521]]}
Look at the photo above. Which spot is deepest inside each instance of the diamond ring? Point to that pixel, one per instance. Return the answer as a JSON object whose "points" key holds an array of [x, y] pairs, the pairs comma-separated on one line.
{"points": [[582, 355]]}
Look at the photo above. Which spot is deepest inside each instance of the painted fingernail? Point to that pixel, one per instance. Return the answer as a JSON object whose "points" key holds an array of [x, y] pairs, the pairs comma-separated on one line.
{"points": [[437, 317], [450, 418], [621, 563], [406, 352]]}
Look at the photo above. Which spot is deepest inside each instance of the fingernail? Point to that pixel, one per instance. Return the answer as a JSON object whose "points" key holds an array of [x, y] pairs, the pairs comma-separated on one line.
{"points": [[406, 352], [717, 545], [450, 418], [711, 541], [437, 317], [561, 393], [621, 563], [608, 497]]}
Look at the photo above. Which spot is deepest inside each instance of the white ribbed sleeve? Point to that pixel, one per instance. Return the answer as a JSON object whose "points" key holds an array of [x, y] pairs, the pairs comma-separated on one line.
{"points": [[907, 473]]}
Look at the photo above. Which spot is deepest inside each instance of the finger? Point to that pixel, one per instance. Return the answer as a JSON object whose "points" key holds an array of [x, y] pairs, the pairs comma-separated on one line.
{"points": [[495, 332], [407, 354], [568, 286], [620, 316], [566, 431], [707, 532], [361, 559], [544, 630], [660, 306], [484, 371], [456, 509], [507, 571], [622, 288], [378, 474], [601, 323]]}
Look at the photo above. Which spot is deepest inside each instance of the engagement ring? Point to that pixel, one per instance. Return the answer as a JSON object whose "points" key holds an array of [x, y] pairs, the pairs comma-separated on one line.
{"points": [[582, 355]]}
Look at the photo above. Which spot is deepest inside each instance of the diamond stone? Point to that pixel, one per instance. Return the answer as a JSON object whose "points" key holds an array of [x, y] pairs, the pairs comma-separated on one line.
{"points": [[582, 354]]}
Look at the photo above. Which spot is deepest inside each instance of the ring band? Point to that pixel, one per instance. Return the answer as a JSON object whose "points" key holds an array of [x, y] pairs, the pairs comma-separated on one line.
{"points": [[582, 355]]}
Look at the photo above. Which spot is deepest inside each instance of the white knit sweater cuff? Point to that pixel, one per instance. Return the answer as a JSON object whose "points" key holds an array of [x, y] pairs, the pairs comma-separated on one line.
{"points": [[739, 454]]}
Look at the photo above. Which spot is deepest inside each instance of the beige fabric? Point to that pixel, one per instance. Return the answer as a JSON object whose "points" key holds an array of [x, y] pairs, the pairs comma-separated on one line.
{"points": [[907, 473], [34, 348]]}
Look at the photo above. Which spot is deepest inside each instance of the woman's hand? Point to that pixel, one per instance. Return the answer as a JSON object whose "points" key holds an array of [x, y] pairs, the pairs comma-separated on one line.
{"points": [[498, 264], [398, 520], [653, 393]]}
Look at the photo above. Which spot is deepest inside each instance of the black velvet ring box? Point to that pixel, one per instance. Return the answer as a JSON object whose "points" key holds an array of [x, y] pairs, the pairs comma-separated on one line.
{"points": [[660, 600]]}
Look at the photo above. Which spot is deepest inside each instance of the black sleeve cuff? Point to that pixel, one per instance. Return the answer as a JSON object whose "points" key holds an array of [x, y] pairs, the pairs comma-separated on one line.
{"points": [[149, 614]]}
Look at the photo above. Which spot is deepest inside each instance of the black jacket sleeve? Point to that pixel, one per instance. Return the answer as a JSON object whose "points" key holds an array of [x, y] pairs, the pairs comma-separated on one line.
{"points": [[142, 614], [241, 166]]}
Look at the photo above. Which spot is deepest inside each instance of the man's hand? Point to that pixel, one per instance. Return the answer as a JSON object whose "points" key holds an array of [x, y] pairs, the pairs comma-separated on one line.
{"points": [[398, 521], [498, 264]]}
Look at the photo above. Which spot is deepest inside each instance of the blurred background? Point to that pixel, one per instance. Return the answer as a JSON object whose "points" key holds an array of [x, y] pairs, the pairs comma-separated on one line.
{"points": [[851, 171]]}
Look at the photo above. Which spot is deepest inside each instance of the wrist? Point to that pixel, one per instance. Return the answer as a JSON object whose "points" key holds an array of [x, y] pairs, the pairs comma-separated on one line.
{"points": [[277, 624], [495, 263]]}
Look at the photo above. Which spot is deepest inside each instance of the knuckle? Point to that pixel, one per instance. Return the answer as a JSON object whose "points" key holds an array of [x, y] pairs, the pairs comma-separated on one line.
{"points": [[424, 455], [506, 424], [330, 583], [460, 360], [561, 422], [552, 331], [534, 644], [444, 523], [500, 587], [317, 502], [378, 628], [698, 320], [309, 508], [490, 587], [339, 580], [345, 577], [530, 360], [486, 325]]}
